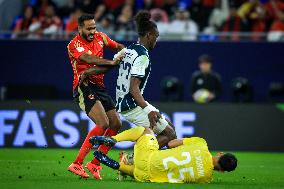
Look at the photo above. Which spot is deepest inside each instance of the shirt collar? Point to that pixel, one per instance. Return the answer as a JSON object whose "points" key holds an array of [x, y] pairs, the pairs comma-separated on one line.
{"points": [[82, 39], [143, 47]]}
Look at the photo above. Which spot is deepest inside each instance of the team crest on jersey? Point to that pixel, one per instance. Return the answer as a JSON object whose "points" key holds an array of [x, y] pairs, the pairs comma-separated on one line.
{"points": [[101, 43]]}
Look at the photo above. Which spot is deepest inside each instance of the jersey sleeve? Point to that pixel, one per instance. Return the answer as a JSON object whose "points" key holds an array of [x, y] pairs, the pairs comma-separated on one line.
{"points": [[76, 49], [108, 41], [139, 66]]}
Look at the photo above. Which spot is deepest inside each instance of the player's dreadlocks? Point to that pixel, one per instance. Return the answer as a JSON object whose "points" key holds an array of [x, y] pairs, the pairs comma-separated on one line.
{"points": [[143, 22]]}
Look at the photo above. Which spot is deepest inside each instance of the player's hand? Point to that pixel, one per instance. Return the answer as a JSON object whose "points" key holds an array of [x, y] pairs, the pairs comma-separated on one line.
{"points": [[154, 118], [118, 59]]}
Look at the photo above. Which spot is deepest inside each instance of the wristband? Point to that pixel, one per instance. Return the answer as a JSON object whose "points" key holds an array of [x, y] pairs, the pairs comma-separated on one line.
{"points": [[148, 109]]}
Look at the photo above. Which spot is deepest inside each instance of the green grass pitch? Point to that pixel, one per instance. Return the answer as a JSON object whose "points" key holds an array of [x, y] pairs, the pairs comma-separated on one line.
{"points": [[47, 168]]}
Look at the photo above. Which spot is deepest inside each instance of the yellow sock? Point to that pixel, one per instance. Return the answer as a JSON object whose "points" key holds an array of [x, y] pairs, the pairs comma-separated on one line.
{"points": [[132, 134], [127, 169]]}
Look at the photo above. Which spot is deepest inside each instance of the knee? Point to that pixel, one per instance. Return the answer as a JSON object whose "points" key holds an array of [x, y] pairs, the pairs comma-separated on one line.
{"points": [[101, 120], [104, 123], [115, 124]]}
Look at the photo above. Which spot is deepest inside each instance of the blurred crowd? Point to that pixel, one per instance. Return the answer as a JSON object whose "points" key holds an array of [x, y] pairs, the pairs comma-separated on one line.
{"points": [[187, 18]]}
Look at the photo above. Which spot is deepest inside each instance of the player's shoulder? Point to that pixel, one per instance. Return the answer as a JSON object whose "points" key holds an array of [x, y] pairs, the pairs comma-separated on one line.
{"points": [[195, 140], [101, 35], [202, 140], [74, 41], [198, 138], [140, 49]]}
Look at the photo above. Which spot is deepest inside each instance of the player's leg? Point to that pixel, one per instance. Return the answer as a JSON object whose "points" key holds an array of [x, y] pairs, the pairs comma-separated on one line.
{"points": [[126, 135], [90, 103], [146, 145], [112, 129], [132, 134], [104, 159], [114, 126], [126, 169], [98, 115], [113, 117], [164, 130]]}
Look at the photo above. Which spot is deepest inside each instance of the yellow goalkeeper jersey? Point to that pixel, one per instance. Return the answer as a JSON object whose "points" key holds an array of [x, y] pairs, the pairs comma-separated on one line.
{"points": [[190, 162]]}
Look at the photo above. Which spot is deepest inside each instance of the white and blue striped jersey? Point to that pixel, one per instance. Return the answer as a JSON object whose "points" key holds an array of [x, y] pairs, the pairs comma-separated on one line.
{"points": [[136, 63]]}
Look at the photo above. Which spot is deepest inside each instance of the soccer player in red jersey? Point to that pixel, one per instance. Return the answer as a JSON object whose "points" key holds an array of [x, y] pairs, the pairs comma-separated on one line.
{"points": [[85, 51]]}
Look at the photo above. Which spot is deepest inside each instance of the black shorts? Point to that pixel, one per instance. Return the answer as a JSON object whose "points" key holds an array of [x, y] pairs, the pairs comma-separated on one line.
{"points": [[86, 97]]}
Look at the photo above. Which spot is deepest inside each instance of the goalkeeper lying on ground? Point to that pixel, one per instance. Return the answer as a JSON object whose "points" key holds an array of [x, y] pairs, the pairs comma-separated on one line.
{"points": [[188, 160]]}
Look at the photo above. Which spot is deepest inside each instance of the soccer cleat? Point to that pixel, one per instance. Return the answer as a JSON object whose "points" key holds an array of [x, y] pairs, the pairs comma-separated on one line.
{"points": [[106, 160], [106, 140], [78, 170], [94, 169]]}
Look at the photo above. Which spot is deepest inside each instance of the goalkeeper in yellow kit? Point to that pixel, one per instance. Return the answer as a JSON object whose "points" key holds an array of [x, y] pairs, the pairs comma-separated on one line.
{"points": [[187, 161]]}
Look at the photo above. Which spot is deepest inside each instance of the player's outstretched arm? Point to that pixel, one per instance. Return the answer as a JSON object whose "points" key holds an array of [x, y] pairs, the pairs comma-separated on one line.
{"points": [[119, 47], [136, 93], [93, 71], [185, 141], [175, 143], [139, 99], [91, 59]]}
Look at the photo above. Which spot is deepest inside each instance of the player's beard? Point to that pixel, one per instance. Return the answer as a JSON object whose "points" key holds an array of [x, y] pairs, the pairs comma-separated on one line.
{"points": [[85, 36]]}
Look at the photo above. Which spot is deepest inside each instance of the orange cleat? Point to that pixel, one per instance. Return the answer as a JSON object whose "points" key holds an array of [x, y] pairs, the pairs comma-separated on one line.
{"points": [[95, 170], [78, 170]]}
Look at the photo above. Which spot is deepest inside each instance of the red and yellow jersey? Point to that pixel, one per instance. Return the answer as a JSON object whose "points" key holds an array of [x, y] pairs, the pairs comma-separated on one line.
{"points": [[79, 46], [188, 163]]}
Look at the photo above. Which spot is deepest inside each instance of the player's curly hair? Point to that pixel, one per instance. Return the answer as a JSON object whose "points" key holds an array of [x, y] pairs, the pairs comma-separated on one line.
{"points": [[228, 162], [143, 22]]}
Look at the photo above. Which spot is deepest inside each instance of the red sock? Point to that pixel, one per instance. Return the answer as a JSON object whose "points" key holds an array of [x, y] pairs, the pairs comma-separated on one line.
{"points": [[102, 148], [86, 146]]}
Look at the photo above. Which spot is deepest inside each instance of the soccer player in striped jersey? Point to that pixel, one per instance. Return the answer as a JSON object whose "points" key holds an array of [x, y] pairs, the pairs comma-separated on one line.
{"points": [[134, 72]]}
